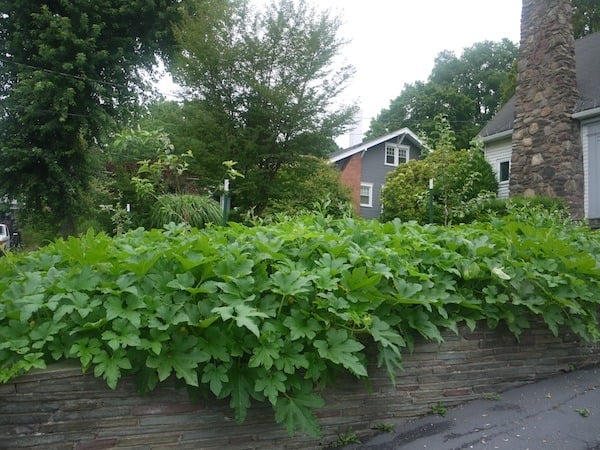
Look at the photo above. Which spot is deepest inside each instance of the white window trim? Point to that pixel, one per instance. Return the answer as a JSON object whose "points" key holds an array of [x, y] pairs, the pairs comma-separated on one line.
{"points": [[396, 147], [370, 187]]}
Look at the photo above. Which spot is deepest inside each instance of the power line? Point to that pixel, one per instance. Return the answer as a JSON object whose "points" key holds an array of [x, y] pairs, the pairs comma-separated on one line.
{"points": [[68, 75]]}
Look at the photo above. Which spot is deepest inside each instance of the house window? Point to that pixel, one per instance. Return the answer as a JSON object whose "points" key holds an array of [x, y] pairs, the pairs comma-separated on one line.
{"points": [[395, 154], [366, 194], [504, 171]]}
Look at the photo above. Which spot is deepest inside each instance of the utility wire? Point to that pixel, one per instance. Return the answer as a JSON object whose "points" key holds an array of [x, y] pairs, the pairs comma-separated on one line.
{"points": [[68, 75]]}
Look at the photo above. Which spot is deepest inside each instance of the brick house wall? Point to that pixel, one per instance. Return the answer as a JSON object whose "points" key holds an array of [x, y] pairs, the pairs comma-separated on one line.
{"points": [[351, 177]]}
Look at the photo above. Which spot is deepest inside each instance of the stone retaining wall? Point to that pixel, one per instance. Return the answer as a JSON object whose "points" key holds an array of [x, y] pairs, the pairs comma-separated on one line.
{"points": [[61, 408]]}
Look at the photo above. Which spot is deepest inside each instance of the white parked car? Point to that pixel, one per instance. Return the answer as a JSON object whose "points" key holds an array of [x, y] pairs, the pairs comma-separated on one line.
{"points": [[4, 236]]}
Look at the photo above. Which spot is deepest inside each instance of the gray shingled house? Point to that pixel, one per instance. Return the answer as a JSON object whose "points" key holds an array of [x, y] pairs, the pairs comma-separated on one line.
{"points": [[365, 166], [497, 135]]}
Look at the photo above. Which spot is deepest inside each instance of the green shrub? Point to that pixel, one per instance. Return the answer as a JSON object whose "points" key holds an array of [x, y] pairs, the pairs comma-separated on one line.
{"points": [[304, 183], [405, 195], [460, 176], [274, 312], [521, 208]]}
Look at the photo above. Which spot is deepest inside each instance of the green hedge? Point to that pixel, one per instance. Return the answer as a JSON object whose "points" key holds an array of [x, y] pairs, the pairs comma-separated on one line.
{"points": [[274, 312]]}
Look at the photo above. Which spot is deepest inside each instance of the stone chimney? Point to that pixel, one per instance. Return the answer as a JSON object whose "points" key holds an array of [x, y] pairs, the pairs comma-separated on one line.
{"points": [[546, 146]]}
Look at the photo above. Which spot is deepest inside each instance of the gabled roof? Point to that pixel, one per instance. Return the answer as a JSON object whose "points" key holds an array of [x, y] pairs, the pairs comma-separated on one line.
{"points": [[587, 59], [363, 146]]}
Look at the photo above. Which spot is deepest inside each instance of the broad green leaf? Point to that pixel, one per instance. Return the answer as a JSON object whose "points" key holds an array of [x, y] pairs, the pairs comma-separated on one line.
{"points": [[325, 281], [215, 376], [244, 315], [271, 384], [206, 322], [65, 308], [291, 358], [117, 308], [386, 336], [407, 290], [15, 336], [155, 341], [82, 303], [29, 285], [82, 279], [295, 412], [301, 326], [554, 318], [470, 270], [215, 344], [335, 265], [172, 314], [392, 361], [194, 259], [420, 321], [231, 268], [86, 349], [109, 366], [266, 354], [182, 357], [359, 280], [183, 281], [239, 387], [141, 261], [492, 296], [45, 332], [291, 284], [340, 348], [30, 304], [125, 335]]}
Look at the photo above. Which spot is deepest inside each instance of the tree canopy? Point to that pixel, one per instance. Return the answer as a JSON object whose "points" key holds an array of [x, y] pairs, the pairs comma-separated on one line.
{"points": [[68, 70], [468, 90], [586, 17], [265, 83]]}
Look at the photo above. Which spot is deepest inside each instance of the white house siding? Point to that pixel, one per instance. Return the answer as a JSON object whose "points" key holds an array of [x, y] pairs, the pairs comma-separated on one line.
{"points": [[590, 134], [495, 153]]}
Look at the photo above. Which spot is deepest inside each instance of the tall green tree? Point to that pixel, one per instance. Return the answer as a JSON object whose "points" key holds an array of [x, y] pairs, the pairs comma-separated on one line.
{"points": [[418, 105], [68, 71], [468, 90], [586, 17], [266, 81]]}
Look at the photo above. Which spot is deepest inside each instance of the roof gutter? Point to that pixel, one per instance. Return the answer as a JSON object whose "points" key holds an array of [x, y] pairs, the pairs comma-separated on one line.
{"points": [[497, 136], [581, 115]]}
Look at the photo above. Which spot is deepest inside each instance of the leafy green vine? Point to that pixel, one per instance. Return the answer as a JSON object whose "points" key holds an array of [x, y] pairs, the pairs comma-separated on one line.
{"points": [[272, 313]]}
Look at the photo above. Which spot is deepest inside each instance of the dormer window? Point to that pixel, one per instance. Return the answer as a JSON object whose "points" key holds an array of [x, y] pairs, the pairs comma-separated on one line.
{"points": [[396, 154]]}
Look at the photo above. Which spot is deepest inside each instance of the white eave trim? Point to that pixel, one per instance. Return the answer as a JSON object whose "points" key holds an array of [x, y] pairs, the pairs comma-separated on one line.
{"points": [[363, 147], [497, 136], [581, 115]]}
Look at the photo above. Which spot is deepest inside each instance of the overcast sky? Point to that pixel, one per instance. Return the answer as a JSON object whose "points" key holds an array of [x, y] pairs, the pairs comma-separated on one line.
{"points": [[394, 42]]}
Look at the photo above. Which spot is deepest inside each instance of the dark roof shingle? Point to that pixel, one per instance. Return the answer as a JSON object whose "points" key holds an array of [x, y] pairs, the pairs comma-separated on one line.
{"points": [[587, 56]]}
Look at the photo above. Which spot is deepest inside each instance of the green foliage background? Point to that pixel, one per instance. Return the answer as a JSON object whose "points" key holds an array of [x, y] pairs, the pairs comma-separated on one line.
{"points": [[264, 86], [70, 70], [273, 313], [462, 180], [468, 89]]}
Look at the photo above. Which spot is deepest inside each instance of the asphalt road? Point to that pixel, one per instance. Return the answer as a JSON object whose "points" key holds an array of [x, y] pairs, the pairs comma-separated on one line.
{"points": [[559, 413]]}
